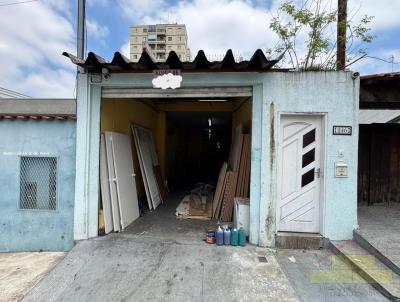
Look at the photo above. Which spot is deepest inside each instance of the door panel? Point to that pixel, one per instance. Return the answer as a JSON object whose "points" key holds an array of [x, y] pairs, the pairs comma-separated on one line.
{"points": [[299, 177]]}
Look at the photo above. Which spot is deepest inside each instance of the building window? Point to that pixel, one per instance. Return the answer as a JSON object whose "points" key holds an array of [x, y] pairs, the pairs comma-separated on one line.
{"points": [[135, 46], [145, 30], [135, 56], [169, 47], [180, 38], [38, 183], [169, 38]]}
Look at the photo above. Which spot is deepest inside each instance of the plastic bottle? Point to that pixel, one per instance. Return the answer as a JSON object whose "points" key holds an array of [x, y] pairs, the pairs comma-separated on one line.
{"points": [[242, 237], [220, 236], [227, 236], [234, 237]]}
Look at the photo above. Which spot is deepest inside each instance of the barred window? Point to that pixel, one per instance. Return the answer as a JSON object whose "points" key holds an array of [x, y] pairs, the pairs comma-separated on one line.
{"points": [[38, 181]]}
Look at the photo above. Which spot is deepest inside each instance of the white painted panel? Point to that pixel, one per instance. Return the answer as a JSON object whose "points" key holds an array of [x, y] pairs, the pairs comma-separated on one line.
{"points": [[147, 151], [112, 182], [125, 175], [105, 187], [145, 184], [289, 167], [293, 128]]}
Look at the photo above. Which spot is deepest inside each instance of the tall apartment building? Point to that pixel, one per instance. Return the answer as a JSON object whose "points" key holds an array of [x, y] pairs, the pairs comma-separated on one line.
{"points": [[160, 39]]}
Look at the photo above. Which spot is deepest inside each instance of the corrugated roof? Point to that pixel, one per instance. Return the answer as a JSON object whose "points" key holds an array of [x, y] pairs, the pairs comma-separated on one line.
{"points": [[120, 63], [38, 109], [381, 76]]}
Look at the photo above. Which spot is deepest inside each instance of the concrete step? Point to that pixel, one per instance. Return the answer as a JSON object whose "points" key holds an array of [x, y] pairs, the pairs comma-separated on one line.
{"points": [[305, 241], [369, 267], [364, 243]]}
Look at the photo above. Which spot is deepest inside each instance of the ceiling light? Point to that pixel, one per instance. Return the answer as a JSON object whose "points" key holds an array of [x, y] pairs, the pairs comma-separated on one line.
{"points": [[209, 122]]}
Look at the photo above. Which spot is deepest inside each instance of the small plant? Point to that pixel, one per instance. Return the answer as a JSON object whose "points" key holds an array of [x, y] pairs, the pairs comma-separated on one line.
{"points": [[307, 32]]}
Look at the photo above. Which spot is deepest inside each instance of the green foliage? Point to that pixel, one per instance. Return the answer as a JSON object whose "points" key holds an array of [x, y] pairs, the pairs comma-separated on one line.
{"points": [[308, 34]]}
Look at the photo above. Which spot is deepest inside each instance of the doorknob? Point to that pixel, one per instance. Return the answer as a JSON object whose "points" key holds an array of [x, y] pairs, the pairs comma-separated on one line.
{"points": [[318, 172]]}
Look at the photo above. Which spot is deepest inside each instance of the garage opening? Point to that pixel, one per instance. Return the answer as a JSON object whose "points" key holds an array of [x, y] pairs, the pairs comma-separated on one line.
{"points": [[195, 140]]}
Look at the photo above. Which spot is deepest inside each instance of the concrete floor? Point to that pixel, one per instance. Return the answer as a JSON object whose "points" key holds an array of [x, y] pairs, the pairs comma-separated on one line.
{"points": [[380, 225], [19, 272], [299, 265], [160, 258]]}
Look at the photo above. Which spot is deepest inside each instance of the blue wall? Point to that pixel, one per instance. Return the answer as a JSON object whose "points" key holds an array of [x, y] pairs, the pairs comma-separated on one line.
{"points": [[34, 230]]}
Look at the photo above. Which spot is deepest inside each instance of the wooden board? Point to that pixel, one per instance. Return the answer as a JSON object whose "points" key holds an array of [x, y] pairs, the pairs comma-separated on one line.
{"points": [[125, 178], [219, 188], [221, 197], [116, 217], [244, 172], [196, 207], [105, 188], [234, 154], [227, 205], [145, 143], [246, 188]]}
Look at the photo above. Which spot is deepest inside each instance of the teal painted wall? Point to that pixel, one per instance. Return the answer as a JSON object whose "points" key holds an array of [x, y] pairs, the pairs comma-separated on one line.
{"points": [[35, 230], [331, 94]]}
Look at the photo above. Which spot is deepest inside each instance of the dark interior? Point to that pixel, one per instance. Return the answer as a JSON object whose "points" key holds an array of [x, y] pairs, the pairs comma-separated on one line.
{"points": [[196, 150]]}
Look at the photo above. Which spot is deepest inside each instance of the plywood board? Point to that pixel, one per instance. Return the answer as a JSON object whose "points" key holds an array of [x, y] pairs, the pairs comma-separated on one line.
{"points": [[116, 217], [125, 178], [227, 207], [147, 153], [105, 188], [246, 187], [219, 188]]}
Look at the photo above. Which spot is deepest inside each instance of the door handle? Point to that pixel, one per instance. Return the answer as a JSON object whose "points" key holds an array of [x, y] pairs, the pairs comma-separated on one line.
{"points": [[318, 172]]}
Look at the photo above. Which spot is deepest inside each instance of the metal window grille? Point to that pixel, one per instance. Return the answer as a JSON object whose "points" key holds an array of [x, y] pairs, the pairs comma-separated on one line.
{"points": [[38, 183]]}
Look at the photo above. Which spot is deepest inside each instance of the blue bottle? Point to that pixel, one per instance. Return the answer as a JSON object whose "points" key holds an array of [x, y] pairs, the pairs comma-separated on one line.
{"points": [[220, 236], [227, 236]]}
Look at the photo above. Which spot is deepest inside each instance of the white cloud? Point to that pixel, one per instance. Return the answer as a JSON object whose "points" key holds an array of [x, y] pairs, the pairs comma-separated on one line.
{"points": [[385, 12], [138, 10], [126, 49], [32, 38], [96, 30]]}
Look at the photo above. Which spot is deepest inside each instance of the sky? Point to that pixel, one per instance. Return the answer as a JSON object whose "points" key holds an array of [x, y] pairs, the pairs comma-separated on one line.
{"points": [[34, 34]]}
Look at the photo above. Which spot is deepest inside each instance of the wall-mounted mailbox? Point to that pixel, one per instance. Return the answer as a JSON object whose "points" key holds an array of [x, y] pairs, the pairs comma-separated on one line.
{"points": [[341, 169]]}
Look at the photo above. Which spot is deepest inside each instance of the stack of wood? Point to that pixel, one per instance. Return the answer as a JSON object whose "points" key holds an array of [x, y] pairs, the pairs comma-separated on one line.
{"points": [[198, 204], [234, 177]]}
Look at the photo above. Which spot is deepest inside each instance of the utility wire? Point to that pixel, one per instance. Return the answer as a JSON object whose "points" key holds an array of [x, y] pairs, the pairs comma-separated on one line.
{"points": [[380, 59], [16, 3]]}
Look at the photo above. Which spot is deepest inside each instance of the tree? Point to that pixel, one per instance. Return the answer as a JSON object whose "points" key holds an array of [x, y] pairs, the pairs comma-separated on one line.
{"points": [[307, 32]]}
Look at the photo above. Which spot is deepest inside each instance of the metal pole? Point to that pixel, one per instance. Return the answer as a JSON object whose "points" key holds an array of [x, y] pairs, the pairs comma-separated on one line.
{"points": [[81, 31], [341, 35]]}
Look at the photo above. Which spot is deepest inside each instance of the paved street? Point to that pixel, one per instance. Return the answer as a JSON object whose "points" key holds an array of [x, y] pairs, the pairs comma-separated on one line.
{"points": [[160, 258]]}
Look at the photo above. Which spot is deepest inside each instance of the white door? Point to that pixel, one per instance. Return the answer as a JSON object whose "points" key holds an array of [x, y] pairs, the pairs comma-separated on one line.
{"points": [[124, 177], [299, 174]]}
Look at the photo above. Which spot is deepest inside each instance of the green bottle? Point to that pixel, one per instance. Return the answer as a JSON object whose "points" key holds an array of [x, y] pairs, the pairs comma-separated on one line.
{"points": [[234, 237], [242, 237]]}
